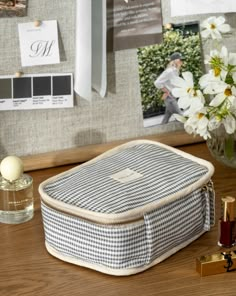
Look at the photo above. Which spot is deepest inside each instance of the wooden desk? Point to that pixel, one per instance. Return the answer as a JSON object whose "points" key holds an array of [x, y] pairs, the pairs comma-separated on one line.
{"points": [[27, 269]]}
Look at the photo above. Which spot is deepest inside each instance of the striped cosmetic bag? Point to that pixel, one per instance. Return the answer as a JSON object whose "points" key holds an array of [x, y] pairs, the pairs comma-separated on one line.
{"points": [[129, 208]]}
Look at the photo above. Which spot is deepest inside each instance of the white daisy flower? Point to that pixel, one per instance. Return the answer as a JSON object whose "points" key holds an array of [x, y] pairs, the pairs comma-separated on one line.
{"points": [[196, 105], [198, 124], [221, 56], [213, 27], [202, 124], [225, 92], [212, 77], [213, 82], [185, 91], [221, 62]]}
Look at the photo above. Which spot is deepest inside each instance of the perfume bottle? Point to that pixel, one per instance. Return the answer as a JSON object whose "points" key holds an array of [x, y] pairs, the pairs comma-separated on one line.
{"points": [[227, 224], [16, 192]]}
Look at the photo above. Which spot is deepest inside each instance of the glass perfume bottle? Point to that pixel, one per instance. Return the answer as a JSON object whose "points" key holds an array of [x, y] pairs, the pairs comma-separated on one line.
{"points": [[227, 223], [16, 192]]}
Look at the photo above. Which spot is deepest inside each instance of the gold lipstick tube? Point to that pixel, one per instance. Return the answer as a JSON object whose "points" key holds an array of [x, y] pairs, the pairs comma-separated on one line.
{"points": [[228, 203], [227, 225]]}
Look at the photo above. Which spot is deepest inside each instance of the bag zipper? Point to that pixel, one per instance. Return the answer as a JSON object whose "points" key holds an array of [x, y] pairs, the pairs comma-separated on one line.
{"points": [[207, 187], [134, 221]]}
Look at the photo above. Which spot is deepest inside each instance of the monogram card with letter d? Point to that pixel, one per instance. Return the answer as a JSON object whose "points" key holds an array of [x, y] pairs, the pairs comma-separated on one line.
{"points": [[39, 44]]}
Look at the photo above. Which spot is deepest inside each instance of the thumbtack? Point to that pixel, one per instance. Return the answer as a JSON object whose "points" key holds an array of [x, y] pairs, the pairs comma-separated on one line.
{"points": [[18, 74], [37, 23], [168, 26]]}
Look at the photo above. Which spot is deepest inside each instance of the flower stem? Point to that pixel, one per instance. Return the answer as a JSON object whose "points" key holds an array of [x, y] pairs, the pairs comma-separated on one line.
{"points": [[229, 146]]}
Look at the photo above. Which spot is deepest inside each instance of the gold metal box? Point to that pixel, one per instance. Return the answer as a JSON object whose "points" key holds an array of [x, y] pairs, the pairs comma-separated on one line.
{"points": [[216, 263]]}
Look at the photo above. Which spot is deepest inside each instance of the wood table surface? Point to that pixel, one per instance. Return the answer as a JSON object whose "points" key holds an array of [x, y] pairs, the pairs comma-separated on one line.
{"points": [[27, 269]]}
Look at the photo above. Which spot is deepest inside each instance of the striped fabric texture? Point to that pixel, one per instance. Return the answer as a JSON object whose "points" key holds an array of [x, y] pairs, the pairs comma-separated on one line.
{"points": [[128, 245], [136, 244], [92, 187]]}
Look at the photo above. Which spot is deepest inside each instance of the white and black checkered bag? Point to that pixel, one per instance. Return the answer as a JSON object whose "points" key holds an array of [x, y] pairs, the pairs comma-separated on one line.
{"points": [[129, 208]]}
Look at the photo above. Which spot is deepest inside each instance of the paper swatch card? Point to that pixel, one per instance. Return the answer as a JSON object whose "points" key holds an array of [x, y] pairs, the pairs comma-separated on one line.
{"points": [[39, 45], [41, 91]]}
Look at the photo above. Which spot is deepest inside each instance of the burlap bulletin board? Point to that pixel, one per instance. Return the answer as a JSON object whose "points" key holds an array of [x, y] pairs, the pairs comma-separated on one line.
{"points": [[118, 116]]}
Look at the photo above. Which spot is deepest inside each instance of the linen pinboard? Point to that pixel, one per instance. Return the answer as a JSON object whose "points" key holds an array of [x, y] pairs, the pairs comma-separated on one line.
{"points": [[129, 208]]}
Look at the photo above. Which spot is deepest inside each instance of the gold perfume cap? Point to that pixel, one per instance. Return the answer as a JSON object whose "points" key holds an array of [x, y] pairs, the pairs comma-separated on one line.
{"points": [[228, 208]]}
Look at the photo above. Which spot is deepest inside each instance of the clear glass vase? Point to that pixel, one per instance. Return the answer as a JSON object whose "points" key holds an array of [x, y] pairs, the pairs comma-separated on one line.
{"points": [[223, 146]]}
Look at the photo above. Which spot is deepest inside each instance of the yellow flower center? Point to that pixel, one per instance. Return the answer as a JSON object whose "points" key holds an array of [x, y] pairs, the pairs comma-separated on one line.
{"points": [[228, 92], [213, 26], [217, 71], [192, 91], [200, 115]]}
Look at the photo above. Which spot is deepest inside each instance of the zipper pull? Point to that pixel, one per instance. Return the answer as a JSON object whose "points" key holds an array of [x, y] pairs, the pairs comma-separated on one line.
{"points": [[209, 186], [209, 192]]}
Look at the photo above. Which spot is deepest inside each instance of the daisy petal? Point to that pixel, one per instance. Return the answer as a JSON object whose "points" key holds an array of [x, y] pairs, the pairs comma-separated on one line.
{"points": [[219, 20], [224, 28], [179, 82], [179, 92], [229, 123], [218, 99], [184, 102], [180, 118], [205, 33], [188, 77], [216, 34]]}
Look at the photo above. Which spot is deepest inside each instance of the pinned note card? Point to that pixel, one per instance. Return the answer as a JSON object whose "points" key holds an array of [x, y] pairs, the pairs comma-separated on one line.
{"points": [[39, 44], [193, 7]]}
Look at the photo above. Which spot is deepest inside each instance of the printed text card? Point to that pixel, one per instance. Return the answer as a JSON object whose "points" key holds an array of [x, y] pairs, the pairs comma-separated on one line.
{"points": [[39, 45]]}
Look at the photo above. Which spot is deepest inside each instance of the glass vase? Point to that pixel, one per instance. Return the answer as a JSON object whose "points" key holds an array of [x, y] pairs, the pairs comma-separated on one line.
{"points": [[223, 146]]}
